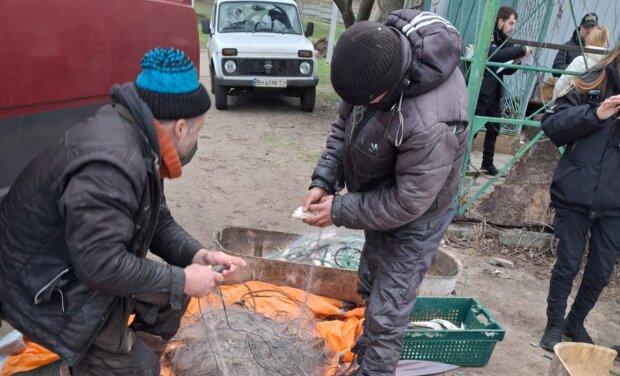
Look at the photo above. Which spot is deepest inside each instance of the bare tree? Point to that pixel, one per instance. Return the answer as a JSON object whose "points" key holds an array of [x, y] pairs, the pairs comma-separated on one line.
{"points": [[346, 10], [365, 9], [388, 6]]}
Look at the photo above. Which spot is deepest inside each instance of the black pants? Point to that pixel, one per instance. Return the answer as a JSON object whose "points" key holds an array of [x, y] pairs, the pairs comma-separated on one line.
{"points": [[117, 350], [392, 267], [572, 228], [490, 137]]}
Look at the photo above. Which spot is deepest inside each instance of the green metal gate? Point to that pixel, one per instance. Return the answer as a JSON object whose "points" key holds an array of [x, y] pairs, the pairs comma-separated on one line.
{"points": [[476, 20]]}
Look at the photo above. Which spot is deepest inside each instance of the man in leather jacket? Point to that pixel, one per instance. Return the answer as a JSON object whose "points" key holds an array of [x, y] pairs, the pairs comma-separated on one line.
{"points": [[77, 223]]}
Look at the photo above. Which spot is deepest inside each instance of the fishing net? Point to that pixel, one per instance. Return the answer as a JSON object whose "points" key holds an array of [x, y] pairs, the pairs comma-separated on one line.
{"points": [[236, 341]]}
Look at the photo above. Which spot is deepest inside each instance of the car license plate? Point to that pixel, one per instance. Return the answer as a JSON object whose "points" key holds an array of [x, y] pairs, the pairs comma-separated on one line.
{"points": [[262, 82]]}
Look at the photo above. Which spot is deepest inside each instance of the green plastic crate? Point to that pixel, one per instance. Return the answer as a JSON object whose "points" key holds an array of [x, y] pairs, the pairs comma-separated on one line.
{"points": [[471, 347]]}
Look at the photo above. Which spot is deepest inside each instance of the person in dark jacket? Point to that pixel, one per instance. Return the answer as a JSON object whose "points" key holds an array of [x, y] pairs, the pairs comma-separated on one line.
{"points": [[491, 90], [585, 195], [565, 57], [397, 145], [77, 223]]}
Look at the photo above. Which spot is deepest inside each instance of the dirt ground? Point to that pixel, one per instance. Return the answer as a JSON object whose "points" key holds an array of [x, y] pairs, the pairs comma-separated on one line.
{"points": [[252, 168]]}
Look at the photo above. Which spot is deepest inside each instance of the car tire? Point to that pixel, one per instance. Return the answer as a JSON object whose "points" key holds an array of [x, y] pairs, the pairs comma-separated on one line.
{"points": [[212, 76], [221, 99], [307, 99]]}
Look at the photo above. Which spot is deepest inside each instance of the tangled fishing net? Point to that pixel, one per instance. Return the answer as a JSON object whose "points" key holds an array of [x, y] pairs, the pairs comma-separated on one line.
{"points": [[236, 341]]}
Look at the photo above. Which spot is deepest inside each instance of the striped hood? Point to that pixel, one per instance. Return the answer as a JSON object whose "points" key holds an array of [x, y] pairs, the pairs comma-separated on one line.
{"points": [[436, 48]]}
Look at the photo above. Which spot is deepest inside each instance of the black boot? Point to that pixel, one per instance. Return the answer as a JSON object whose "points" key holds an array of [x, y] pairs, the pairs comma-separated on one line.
{"points": [[489, 167], [489, 153], [574, 329], [553, 335]]}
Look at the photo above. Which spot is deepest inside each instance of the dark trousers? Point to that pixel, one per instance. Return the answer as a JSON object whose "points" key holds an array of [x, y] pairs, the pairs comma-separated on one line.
{"points": [[490, 137], [118, 350], [572, 228], [392, 267]]}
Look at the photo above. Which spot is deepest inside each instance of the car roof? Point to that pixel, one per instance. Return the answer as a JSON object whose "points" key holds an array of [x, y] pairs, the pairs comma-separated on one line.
{"points": [[258, 1]]}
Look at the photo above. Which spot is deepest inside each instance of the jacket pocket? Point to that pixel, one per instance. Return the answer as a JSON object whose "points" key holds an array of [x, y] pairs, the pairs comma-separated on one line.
{"points": [[574, 182], [565, 166], [44, 294], [372, 159]]}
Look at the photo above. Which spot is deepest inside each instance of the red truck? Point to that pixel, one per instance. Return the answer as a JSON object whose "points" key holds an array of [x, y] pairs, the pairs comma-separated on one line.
{"points": [[58, 59]]}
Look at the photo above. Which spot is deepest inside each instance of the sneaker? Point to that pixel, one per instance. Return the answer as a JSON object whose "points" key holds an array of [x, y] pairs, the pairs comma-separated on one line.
{"points": [[552, 336], [489, 168], [576, 332]]}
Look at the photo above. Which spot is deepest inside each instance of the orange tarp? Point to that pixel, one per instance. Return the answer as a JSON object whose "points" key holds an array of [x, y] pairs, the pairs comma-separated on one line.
{"points": [[338, 327]]}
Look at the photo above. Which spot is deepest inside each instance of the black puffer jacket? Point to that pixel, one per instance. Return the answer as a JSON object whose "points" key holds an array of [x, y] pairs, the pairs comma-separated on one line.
{"points": [[76, 226], [587, 178], [399, 170], [491, 90]]}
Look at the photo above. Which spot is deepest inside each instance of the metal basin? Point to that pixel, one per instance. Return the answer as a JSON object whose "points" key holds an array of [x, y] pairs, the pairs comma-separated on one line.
{"points": [[255, 244]]}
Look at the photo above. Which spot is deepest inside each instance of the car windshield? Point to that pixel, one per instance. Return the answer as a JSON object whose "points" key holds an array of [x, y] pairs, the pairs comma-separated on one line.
{"points": [[254, 17]]}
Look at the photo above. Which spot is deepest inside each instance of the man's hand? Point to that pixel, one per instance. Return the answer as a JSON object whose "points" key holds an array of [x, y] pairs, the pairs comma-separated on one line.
{"points": [[323, 213], [200, 280], [314, 196], [232, 263], [608, 108], [528, 51]]}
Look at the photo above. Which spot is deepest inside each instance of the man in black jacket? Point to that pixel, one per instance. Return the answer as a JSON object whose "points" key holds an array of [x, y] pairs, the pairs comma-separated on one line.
{"points": [[77, 223], [585, 196], [564, 58], [491, 90]]}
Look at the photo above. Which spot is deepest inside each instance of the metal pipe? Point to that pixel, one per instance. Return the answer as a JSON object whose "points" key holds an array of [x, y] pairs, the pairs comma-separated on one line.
{"points": [[560, 47], [481, 51]]}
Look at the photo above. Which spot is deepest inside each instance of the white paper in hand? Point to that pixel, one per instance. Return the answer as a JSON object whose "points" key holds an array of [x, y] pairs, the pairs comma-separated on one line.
{"points": [[299, 213]]}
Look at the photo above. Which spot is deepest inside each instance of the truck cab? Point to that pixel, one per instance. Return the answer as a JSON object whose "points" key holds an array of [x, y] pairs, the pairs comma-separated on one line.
{"points": [[259, 46]]}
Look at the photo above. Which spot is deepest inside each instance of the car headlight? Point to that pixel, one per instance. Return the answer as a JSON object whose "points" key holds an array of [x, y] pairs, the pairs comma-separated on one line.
{"points": [[230, 66], [305, 68]]}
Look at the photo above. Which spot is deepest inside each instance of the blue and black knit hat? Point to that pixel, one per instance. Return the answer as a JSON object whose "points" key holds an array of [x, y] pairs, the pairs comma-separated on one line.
{"points": [[168, 84]]}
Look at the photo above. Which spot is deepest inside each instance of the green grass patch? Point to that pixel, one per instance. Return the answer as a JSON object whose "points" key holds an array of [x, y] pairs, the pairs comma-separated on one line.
{"points": [[311, 157], [203, 8], [325, 90], [321, 29]]}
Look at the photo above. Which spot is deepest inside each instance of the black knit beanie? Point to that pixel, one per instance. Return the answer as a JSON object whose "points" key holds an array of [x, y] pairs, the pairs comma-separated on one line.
{"points": [[168, 84], [367, 62]]}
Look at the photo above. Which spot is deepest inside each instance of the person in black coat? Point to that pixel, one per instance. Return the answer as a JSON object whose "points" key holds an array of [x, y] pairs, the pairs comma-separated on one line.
{"points": [[564, 58], [585, 195], [491, 90], [76, 226]]}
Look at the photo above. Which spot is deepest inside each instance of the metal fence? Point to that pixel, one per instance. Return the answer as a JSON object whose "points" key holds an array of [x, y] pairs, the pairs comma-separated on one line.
{"points": [[319, 10]]}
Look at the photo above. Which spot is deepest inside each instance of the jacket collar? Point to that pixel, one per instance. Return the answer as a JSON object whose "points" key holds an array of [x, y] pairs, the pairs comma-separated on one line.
{"points": [[137, 112]]}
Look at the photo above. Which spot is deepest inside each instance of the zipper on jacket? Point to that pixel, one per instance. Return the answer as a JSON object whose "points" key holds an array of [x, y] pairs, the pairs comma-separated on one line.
{"points": [[50, 283], [153, 223]]}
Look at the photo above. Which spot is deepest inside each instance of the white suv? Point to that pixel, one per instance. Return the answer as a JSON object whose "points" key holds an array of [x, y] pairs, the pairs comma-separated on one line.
{"points": [[260, 46]]}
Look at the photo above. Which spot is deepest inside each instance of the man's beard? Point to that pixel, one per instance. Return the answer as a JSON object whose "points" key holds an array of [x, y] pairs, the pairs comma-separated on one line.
{"points": [[190, 154]]}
